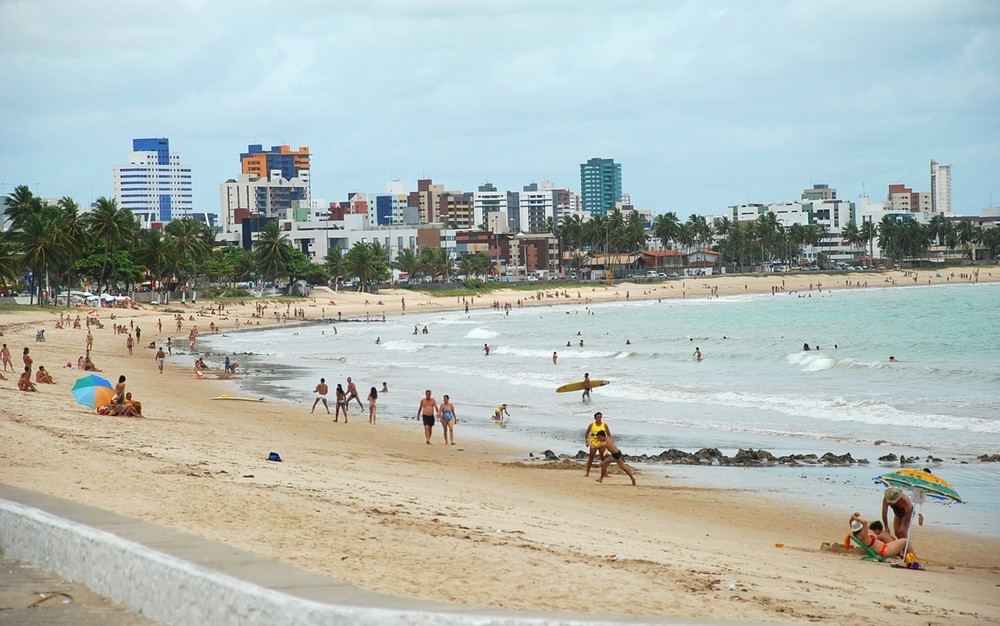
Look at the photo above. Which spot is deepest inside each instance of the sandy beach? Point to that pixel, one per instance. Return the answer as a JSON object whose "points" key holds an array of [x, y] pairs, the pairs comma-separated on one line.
{"points": [[473, 523]]}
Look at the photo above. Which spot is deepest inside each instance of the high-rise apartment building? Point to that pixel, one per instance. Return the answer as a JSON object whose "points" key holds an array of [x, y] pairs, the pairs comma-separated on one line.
{"points": [[600, 185], [257, 161], [154, 185], [940, 189]]}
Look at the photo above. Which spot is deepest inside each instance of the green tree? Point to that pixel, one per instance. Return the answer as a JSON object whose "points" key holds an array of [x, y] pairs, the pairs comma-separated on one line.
{"points": [[273, 251], [336, 266], [409, 262], [19, 205], [40, 245], [366, 263], [113, 226]]}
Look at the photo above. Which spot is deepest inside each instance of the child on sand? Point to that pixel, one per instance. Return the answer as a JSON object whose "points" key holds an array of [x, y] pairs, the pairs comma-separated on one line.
{"points": [[605, 441]]}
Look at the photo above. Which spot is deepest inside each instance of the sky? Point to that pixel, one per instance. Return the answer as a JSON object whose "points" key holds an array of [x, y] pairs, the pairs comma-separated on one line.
{"points": [[706, 104]]}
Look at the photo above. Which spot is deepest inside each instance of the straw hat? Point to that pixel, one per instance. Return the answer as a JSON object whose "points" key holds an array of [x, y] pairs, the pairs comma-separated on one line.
{"points": [[893, 494]]}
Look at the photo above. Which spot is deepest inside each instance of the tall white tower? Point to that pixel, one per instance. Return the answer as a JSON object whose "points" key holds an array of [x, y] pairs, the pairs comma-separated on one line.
{"points": [[153, 185], [940, 189]]}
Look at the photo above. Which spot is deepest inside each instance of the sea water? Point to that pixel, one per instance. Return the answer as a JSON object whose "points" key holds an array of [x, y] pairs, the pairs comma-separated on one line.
{"points": [[755, 386]]}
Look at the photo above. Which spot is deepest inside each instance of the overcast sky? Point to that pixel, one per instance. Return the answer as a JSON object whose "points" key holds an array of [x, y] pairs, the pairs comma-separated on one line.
{"points": [[705, 104]]}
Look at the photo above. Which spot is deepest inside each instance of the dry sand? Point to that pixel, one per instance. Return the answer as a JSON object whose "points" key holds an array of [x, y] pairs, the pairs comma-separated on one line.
{"points": [[376, 507]]}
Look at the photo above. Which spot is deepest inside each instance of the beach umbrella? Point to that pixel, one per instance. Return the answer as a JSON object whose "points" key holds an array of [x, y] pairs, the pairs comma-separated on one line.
{"points": [[93, 391], [911, 480], [922, 485]]}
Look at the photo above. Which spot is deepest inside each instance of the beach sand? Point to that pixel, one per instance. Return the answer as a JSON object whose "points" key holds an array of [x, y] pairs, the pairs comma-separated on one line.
{"points": [[471, 523]]}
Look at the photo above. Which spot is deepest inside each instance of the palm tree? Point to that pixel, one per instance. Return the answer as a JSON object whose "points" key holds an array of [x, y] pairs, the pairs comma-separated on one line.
{"points": [[869, 233], [71, 225], [8, 263], [19, 205], [367, 264], [272, 250], [852, 235], [335, 266], [189, 240], [666, 228], [436, 261], [158, 254], [408, 262], [40, 245], [112, 225]]}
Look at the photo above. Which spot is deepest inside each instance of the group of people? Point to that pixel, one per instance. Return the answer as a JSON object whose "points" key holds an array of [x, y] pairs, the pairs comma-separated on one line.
{"points": [[876, 536], [344, 397], [24, 381], [430, 411]]}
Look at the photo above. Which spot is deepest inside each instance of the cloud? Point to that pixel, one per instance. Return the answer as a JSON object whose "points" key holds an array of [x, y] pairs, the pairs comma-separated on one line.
{"points": [[701, 102]]}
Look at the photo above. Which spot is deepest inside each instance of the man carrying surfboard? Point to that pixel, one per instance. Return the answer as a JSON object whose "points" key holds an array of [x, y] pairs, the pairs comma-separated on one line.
{"points": [[590, 439]]}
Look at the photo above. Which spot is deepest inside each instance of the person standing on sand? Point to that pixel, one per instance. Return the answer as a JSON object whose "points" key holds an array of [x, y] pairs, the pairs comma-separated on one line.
{"points": [[321, 390], [129, 343], [590, 439], [119, 397], [138, 333], [372, 405], [615, 455], [586, 386], [341, 404], [426, 411], [27, 359], [160, 357], [352, 392], [5, 356], [90, 337], [446, 412], [902, 510]]}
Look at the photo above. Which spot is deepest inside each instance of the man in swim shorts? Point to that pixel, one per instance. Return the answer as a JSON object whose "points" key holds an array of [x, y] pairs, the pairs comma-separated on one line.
{"points": [[605, 442], [321, 390], [427, 411], [590, 439], [352, 392]]}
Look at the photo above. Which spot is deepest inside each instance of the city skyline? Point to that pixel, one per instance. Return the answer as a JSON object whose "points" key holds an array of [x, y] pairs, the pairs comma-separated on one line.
{"points": [[704, 105]]}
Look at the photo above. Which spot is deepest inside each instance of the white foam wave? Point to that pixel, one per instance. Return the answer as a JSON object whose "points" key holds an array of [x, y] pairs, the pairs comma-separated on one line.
{"points": [[481, 333], [571, 354], [403, 346], [812, 361]]}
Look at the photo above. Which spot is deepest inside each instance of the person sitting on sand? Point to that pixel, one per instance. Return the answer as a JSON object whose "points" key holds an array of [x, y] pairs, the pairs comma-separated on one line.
{"points": [[862, 531], [43, 376], [24, 382], [197, 371], [88, 365], [131, 407], [883, 535], [902, 510], [615, 454]]}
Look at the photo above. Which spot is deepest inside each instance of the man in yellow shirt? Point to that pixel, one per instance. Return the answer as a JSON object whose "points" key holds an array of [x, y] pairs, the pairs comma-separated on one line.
{"points": [[590, 439]]}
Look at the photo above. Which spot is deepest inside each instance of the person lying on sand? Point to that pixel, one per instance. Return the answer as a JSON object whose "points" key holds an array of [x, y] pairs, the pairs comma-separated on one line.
{"points": [[862, 531]]}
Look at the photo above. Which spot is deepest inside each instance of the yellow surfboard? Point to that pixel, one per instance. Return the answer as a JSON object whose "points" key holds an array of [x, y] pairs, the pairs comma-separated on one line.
{"points": [[226, 396], [578, 385]]}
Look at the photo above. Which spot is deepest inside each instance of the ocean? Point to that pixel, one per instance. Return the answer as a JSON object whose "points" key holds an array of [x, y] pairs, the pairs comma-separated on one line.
{"points": [[755, 386]]}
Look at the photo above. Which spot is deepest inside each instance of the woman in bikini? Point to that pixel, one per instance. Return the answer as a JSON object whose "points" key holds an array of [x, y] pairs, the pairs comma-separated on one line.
{"points": [[446, 413], [861, 530], [341, 404], [372, 405]]}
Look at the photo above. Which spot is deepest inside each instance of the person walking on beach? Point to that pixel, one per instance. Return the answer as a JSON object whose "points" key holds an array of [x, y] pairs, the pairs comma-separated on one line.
{"points": [[591, 440], [607, 443], [341, 404], [426, 411], [352, 392], [130, 344], [160, 357], [586, 386], [321, 390], [446, 412], [5, 356], [372, 405]]}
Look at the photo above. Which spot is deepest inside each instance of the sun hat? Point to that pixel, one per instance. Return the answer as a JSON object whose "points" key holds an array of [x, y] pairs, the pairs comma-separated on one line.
{"points": [[893, 494], [855, 525]]}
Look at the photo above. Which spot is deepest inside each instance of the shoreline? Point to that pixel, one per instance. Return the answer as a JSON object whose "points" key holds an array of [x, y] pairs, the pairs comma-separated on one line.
{"points": [[367, 506]]}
